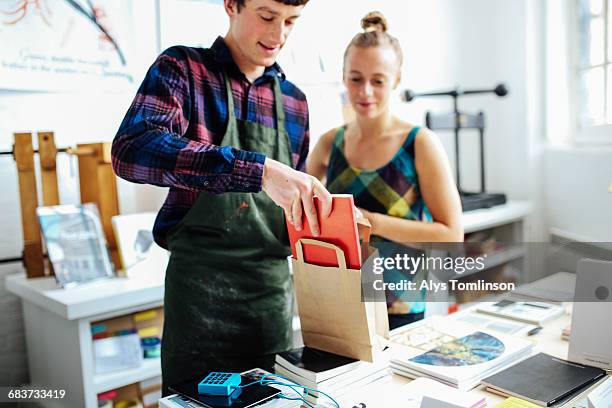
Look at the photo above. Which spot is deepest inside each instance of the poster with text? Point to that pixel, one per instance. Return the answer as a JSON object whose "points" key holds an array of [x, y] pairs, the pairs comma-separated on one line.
{"points": [[66, 45]]}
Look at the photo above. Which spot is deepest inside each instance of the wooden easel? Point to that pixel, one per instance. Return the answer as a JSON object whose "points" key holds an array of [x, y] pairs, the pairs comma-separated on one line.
{"points": [[97, 184]]}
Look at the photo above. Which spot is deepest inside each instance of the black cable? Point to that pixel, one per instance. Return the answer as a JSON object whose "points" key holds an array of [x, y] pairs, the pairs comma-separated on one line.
{"points": [[10, 152], [11, 260]]}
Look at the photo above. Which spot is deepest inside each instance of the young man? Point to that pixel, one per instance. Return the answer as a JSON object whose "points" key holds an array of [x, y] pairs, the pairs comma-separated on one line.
{"points": [[217, 126]]}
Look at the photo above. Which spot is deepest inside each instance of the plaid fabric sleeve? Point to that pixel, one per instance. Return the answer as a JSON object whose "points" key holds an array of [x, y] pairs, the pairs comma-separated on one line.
{"points": [[152, 147]]}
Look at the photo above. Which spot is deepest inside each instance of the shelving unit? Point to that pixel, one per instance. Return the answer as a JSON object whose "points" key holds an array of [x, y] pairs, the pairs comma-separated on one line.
{"points": [[512, 214], [507, 225], [109, 381], [58, 330]]}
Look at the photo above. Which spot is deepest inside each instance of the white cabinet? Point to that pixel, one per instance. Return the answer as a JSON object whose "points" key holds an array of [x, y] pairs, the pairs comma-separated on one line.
{"points": [[502, 233], [508, 226], [58, 330]]}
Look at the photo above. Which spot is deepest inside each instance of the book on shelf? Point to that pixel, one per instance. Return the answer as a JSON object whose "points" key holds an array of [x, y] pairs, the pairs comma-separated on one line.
{"points": [[454, 353], [543, 379], [340, 229], [75, 243], [528, 312], [117, 353]]}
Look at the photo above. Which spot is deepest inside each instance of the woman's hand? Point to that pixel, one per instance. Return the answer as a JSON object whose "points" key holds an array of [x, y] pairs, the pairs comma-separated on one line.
{"points": [[368, 215]]}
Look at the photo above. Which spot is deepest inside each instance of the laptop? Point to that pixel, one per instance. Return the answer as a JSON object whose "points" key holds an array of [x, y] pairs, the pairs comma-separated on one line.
{"points": [[591, 333]]}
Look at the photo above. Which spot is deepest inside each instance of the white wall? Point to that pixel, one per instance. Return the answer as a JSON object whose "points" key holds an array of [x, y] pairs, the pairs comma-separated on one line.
{"points": [[471, 43], [579, 204]]}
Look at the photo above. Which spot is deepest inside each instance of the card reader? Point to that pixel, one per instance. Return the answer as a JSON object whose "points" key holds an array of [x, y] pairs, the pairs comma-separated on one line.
{"points": [[218, 383]]}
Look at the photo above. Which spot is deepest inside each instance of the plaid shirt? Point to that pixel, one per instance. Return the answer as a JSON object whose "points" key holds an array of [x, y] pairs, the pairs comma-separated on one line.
{"points": [[171, 134]]}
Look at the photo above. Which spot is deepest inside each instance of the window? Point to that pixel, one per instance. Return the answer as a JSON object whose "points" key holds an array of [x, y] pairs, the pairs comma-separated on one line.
{"points": [[594, 80]]}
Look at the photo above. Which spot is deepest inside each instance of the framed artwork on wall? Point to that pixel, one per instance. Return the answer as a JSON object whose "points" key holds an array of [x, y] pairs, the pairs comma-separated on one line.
{"points": [[66, 45]]}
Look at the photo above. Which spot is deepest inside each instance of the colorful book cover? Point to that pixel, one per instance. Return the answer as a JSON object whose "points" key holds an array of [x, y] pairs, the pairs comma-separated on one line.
{"points": [[340, 229], [454, 353], [75, 243]]}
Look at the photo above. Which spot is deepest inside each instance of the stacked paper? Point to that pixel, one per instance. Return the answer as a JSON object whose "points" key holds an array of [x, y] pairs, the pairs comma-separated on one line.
{"points": [[454, 353]]}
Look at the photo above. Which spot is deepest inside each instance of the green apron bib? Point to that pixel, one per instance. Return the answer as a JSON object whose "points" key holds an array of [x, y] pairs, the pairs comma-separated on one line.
{"points": [[228, 294]]}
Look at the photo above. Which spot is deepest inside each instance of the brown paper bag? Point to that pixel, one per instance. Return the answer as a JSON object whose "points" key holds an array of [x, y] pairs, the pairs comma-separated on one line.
{"points": [[332, 315]]}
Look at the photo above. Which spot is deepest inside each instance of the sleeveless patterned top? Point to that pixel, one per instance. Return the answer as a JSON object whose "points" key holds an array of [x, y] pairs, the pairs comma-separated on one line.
{"points": [[392, 189]]}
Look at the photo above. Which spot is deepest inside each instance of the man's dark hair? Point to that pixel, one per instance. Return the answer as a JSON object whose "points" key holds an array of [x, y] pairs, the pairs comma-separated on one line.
{"points": [[240, 3]]}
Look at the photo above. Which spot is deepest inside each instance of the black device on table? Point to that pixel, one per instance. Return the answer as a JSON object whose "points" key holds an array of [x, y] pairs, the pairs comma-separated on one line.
{"points": [[456, 121], [250, 396]]}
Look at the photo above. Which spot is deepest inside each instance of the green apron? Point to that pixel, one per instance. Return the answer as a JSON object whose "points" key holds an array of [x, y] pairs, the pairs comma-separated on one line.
{"points": [[228, 294]]}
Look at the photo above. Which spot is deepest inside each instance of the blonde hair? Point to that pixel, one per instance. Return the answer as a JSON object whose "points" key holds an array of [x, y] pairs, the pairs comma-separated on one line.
{"points": [[375, 34]]}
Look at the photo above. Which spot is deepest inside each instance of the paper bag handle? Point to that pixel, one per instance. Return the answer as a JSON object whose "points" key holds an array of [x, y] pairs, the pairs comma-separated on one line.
{"points": [[300, 252]]}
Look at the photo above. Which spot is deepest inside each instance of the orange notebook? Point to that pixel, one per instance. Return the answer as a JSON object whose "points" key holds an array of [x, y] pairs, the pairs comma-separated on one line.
{"points": [[340, 229]]}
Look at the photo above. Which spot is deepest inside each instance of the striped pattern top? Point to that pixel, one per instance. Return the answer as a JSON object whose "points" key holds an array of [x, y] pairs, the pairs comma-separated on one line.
{"points": [[171, 134], [392, 189]]}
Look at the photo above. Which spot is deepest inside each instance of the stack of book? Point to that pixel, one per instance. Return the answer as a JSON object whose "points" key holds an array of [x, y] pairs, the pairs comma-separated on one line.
{"points": [[321, 371], [454, 353]]}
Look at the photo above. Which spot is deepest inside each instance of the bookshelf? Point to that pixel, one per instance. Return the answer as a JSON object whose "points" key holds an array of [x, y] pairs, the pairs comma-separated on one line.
{"points": [[58, 329]]}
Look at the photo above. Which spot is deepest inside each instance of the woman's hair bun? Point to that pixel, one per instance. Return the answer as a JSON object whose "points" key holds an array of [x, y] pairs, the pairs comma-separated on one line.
{"points": [[374, 21]]}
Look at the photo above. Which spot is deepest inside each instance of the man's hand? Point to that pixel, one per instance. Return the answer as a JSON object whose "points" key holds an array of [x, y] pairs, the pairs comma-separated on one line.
{"points": [[294, 191]]}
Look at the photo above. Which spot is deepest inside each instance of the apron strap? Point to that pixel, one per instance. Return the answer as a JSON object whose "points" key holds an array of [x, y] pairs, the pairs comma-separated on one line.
{"points": [[280, 118], [230, 97], [230, 138], [278, 104]]}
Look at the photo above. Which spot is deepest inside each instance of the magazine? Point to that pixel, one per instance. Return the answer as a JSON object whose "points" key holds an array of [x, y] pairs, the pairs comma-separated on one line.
{"points": [[528, 312], [75, 243], [454, 353]]}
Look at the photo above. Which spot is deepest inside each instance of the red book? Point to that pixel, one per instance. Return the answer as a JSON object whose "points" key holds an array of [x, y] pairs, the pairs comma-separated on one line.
{"points": [[340, 229]]}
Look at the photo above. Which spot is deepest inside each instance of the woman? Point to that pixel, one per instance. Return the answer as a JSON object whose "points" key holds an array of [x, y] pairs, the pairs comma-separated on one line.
{"points": [[398, 172]]}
